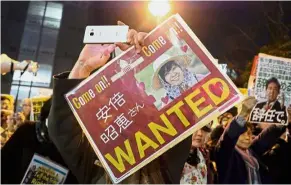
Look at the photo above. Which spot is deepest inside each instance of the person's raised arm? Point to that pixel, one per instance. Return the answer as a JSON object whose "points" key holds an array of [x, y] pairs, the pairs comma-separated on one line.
{"points": [[227, 143], [95, 55], [269, 136], [63, 127], [9, 65]]}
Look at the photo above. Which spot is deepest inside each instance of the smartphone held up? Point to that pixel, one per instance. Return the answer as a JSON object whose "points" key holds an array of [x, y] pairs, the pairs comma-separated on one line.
{"points": [[105, 34]]}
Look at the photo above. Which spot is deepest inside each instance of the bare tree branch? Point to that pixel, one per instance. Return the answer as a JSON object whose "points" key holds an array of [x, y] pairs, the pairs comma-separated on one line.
{"points": [[247, 36]]}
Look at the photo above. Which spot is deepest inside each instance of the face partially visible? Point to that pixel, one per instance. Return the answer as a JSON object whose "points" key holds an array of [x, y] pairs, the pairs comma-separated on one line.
{"points": [[10, 123], [175, 76], [198, 138], [272, 92], [244, 141], [5, 104], [225, 119], [26, 107]]}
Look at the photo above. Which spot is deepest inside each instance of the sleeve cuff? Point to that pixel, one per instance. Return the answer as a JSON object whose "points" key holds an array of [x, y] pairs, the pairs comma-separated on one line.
{"points": [[63, 85], [236, 127]]}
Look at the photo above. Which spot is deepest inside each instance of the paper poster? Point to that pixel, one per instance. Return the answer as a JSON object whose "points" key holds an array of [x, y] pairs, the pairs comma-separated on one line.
{"points": [[44, 171], [273, 114], [37, 104], [272, 90], [252, 79], [140, 105], [279, 68]]}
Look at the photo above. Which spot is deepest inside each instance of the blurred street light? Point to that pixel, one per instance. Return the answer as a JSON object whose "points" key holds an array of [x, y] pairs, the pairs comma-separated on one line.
{"points": [[159, 8]]}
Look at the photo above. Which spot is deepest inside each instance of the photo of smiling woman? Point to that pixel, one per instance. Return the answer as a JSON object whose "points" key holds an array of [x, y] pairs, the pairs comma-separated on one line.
{"points": [[172, 74]]}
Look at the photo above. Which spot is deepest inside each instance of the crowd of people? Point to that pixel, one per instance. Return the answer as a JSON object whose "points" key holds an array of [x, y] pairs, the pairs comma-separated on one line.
{"points": [[232, 152]]}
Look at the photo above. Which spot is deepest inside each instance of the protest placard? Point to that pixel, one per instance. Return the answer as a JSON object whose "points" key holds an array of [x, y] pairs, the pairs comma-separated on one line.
{"points": [[273, 101], [36, 105], [252, 79], [140, 105], [273, 114], [44, 171]]}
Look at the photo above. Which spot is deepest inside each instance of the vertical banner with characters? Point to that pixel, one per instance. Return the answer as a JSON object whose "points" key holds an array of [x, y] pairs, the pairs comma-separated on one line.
{"points": [[44, 171], [140, 105], [272, 90], [252, 79], [36, 105]]}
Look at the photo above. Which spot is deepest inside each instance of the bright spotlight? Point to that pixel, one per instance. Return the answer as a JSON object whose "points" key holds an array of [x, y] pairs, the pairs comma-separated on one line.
{"points": [[159, 8]]}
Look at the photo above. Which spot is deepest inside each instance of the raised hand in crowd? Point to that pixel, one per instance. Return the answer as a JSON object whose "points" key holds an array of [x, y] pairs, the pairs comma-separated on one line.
{"points": [[247, 107], [63, 128], [238, 154], [94, 56], [10, 65]]}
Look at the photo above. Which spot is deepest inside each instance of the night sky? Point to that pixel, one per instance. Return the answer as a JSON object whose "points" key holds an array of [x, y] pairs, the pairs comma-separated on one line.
{"points": [[218, 25]]}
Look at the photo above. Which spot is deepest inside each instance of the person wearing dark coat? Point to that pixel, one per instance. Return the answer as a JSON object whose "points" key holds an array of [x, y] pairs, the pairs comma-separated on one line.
{"points": [[278, 161], [69, 138], [29, 139], [238, 157], [278, 158]]}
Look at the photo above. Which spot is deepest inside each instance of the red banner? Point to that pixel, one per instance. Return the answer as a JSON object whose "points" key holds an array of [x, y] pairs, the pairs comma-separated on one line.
{"points": [[252, 79]]}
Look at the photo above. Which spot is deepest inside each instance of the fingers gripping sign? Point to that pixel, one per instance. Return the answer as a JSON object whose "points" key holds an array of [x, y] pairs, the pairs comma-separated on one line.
{"points": [[133, 38]]}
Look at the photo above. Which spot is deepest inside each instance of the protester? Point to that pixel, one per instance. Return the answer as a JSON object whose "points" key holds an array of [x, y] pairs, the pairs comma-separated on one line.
{"points": [[278, 157], [10, 121], [238, 157], [278, 161], [67, 135], [26, 108], [223, 121], [14, 121], [225, 118], [10, 65], [29, 139], [7, 102], [198, 168]]}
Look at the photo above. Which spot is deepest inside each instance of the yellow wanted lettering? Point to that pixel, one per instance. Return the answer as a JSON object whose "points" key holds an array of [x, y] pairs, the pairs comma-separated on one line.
{"points": [[144, 142], [129, 157]]}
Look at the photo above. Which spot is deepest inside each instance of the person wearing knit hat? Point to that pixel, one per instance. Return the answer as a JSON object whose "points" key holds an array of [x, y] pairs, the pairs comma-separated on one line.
{"points": [[171, 73]]}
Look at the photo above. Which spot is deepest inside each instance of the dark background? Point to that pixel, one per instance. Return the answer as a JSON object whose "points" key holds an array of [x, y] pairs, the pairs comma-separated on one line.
{"points": [[233, 32]]}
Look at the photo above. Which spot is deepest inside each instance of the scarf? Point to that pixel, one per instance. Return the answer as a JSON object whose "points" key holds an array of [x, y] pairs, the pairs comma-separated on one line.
{"points": [[195, 174], [252, 166], [173, 91]]}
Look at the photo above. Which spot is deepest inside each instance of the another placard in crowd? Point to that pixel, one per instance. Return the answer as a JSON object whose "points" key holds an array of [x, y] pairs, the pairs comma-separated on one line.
{"points": [[44, 171], [140, 105], [36, 104], [272, 90], [252, 79]]}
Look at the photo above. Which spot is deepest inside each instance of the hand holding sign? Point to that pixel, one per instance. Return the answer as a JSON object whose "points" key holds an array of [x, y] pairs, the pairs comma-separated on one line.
{"points": [[94, 56], [127, 123], [133, 38], [247, 106]]}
